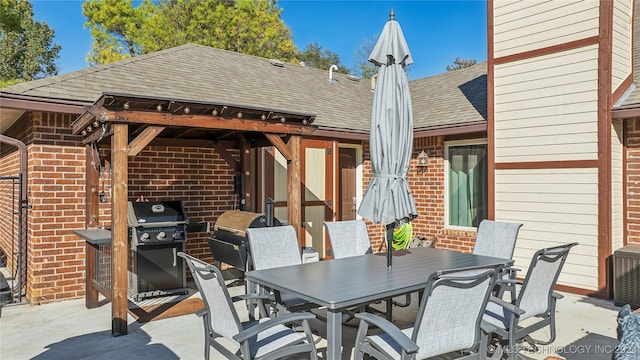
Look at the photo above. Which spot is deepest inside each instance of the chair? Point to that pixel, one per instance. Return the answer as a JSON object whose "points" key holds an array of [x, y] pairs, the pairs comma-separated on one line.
{"points": [[535, 298], [272, 247], [351, 238], [266, 339], [498, 239], [348, 238], [448, 320]]}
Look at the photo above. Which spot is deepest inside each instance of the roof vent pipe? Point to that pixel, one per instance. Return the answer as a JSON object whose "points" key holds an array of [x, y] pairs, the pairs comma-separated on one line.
{"points": [[373, 82], [331, 72]]}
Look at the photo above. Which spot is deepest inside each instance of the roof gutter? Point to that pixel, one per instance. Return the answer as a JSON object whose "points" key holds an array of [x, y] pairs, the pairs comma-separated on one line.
{"points": [[443, 130], [626, 113], [23, 102]]}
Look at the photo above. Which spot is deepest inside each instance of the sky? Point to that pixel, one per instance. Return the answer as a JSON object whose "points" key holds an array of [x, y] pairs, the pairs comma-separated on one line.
{"points": [[436, 31]]}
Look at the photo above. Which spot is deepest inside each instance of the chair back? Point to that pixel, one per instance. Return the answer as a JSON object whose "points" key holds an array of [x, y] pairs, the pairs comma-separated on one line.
{"points": [[348, 238], [451, 310], [496, 239], [272, 247], [221, 315], [535, 296]]}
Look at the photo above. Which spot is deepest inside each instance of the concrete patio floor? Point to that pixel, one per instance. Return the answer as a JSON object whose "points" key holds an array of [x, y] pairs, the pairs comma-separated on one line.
{"points": [[67, 330]]}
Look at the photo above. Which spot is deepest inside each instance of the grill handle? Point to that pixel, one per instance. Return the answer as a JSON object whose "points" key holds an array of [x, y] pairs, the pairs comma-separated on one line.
{"points": [[229, 229]]}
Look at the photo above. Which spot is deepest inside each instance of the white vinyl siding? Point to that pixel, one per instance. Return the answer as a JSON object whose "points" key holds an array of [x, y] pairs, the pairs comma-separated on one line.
{"points": [[555, 206], [546, 107], [616, 185], [621, 45], [521, 26]]}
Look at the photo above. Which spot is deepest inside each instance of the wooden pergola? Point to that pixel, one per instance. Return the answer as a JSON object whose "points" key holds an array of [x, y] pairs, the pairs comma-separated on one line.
{"points": [[133, 122]]}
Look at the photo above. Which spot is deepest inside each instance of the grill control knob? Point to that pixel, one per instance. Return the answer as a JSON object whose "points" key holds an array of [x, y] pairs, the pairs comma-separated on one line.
{"points": [[144, 237], [161, 235], [177, 235]]}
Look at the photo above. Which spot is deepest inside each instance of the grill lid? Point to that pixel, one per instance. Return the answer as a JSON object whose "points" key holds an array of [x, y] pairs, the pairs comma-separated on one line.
{"points": [[237, 222], [156, 213]]}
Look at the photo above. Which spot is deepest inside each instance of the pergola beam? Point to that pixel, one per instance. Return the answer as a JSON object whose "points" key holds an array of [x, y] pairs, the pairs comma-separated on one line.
{"points": [[142, 140], [119, 230], [191, 120], [280, 145]]}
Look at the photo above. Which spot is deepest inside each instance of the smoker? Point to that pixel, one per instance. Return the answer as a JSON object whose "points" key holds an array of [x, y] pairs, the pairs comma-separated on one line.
{"points": [[157, 233], [229, 243]]}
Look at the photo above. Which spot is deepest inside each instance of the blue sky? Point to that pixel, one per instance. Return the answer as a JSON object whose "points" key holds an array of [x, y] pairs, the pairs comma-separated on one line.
{"points": [[436, 31]]}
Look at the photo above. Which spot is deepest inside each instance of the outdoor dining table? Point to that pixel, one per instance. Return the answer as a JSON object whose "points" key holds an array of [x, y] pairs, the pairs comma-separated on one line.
{"points": [[343, 283]]}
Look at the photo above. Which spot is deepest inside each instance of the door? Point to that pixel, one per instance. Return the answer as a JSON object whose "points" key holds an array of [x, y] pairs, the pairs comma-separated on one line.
{"points": [[347, 183], [317, 192]]}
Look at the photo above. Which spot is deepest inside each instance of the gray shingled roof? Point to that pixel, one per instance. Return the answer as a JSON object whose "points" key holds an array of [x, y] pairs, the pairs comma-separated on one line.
{"points": [[452, 98], [200, 73]]}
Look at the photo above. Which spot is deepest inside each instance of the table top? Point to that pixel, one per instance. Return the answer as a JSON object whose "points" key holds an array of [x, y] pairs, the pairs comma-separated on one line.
{"points": [[346, 282]]}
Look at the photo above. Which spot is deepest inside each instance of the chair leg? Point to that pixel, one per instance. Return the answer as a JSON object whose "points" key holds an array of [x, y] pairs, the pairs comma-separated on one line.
{"points": [[207, 337], [360, 336]]}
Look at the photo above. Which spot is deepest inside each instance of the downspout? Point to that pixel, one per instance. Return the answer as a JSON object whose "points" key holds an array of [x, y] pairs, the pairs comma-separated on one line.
{"points": [[22, 195]]}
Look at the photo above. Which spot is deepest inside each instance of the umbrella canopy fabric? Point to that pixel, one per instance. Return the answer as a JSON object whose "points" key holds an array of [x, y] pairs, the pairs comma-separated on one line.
{"points": [[388, 199]]}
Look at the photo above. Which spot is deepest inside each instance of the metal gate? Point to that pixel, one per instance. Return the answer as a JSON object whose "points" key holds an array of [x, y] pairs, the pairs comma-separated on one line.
{"points": [[13, 232]]}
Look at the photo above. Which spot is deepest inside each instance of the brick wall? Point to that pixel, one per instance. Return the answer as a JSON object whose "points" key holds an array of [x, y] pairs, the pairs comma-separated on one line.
{"points": [[56, 257], [427, 186], [9, 196], [56, 195], [632, 142]]}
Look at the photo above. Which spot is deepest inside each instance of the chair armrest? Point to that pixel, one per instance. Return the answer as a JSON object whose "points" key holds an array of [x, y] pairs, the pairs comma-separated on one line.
{"points": [[278, 320], [507, 306], [556, 295], [488, 328], [390, 329]]}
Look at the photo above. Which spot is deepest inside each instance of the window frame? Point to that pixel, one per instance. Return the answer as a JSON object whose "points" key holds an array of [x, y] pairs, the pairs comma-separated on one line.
{"points": [[447, 167]]}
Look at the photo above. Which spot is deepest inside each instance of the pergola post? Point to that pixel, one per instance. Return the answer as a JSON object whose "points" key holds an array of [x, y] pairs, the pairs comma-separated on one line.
{"points": [[119, 231], [91, 221], [247, 174], [294, 204]]}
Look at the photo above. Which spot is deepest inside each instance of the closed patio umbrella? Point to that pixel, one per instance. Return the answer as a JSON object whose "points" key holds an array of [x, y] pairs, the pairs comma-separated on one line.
{"points": [[388, 199]]}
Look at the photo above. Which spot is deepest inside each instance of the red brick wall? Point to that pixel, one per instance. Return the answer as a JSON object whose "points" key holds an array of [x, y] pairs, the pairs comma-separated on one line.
{"points": [[9, 167], [56, 195], [56, 256], [427, 186], [632, 142], [9, 195]]}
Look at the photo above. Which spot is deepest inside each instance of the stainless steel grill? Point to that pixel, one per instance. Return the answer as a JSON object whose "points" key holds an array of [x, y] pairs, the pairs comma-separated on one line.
{"points": [[157, 234]]}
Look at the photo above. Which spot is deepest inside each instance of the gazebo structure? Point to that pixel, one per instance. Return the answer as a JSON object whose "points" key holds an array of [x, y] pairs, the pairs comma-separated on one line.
{"points": [[126, 124]]}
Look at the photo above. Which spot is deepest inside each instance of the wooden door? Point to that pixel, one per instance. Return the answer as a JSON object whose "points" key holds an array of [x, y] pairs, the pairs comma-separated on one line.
{"points": [[347, 183], [317, 192]]}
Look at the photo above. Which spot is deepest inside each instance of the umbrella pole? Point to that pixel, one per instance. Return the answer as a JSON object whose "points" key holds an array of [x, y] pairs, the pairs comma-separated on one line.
{"points": [[390, 228]]}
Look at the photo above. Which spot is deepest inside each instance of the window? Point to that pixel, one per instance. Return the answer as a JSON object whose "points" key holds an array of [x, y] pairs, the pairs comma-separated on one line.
{"points": [[466, 183]]}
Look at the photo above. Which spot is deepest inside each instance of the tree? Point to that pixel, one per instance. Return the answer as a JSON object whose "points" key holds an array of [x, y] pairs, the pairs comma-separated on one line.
{"points": [[459, 63], [251, 27], [116, 27], [315, 57], [27, 51], [362, 67]]}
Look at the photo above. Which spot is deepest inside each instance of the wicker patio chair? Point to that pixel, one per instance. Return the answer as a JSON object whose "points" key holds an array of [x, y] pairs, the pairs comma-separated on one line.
{"points": [[264, 339]]}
